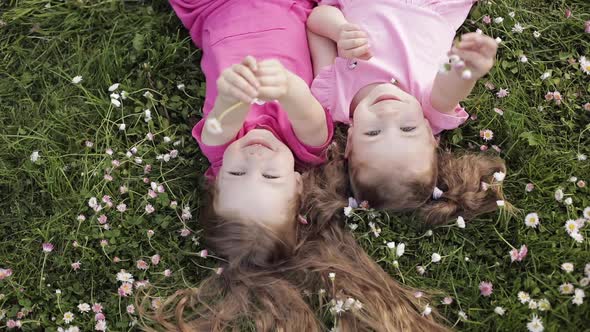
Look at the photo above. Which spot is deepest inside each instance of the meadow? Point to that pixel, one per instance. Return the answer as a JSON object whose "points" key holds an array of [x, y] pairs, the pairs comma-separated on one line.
{"points": [[101, 182]]}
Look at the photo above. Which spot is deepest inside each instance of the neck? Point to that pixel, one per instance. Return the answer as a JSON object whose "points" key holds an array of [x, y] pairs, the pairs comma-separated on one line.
{"points": [[360, 95]]}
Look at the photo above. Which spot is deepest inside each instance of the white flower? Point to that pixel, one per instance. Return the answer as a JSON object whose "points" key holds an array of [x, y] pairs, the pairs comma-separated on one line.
{"points": [[68, 317], [544, 305], [114, 87], [101, 325], [571, 226], [167, 139], [566, 288], [567, 267], [577, 236], [533, 305], [435, 258], [35, 156], [582, 157], [427, 310], [500, 311], [535, 325], [460, 222], [545, 75], [353, 226], [587, 270], [332, 275], [428, 232], [498, 40], [391, 245], [420, 269], [584, 282], [84, 307], [587, 212], [559, 194], [568, 201], [536, 34], [375, 229], [523, 59], [122, 127], [585, 65], [77, 79], [401, 248], [147, 115], [499, 176], [517, 28], [500, 203], [579, 296], [115, 96], [523, 297], [436, 193], [124, 94], [462, 315], [180, 87], [348, 211], [125, 276], [531, 220], [92, 202], [498, 20], [116, 103], [148, 95], [511, 14]]}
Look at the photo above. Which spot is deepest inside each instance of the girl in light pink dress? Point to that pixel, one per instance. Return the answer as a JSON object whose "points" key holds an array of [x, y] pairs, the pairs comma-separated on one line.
{"points": [[378, 69]]}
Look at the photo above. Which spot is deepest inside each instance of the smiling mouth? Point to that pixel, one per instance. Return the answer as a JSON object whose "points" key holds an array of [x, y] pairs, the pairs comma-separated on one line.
{"points": [[385, 98], [259, 143]]}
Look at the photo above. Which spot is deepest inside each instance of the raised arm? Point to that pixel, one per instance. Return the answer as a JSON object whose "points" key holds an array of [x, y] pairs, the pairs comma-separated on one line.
{"points": [[478, 52], [235, 84], [307, 116]]}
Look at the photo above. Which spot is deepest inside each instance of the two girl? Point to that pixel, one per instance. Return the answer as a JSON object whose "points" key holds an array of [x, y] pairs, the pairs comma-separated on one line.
{"points": [[261, 125]]}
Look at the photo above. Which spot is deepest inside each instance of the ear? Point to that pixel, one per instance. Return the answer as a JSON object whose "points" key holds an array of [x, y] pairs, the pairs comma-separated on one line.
{"points": [[348, 148], [299, 183]]}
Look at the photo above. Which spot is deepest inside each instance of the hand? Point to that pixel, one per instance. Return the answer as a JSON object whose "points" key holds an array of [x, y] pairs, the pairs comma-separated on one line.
{"points": [[239, 82], [478, 51], [353, 43], [273, 78]]}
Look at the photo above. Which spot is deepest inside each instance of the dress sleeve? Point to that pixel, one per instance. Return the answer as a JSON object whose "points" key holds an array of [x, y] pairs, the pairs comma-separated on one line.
{"points": [[441, 121]]}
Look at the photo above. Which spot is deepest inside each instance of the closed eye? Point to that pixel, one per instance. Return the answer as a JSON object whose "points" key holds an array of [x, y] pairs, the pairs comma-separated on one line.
{"points": [[267, 176], [237, 173], [407, 129], [373, 132]]}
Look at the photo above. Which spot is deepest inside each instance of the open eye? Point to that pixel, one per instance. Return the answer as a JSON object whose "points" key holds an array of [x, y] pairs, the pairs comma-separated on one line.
{"points": [[237, 173], [268, 176], [373, 132], [407, 129]]}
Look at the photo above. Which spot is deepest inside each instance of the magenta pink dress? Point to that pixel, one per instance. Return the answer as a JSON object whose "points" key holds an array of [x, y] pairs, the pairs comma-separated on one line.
{"points": [[409, 41], [229, 30]]}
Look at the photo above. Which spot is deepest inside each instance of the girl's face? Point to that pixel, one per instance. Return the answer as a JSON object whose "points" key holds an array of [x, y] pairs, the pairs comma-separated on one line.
{"points": [[389, 135], [257, 180]]}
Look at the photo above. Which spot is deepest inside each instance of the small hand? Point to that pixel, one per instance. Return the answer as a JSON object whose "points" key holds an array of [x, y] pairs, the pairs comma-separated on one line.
{"points": [[353, 43], [478, 51], [239, 82], [273, 78]]}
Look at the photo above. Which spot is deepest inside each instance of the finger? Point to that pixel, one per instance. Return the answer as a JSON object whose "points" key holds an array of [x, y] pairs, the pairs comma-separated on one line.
{"points": [[349, 44], [470, 57], [471, 36], [247, 74], [271, 91], [240, 83], [351, 27], [359, 51], [266, 71], [250, 62], [225, 88], [269, 63], [268, 81], [367, 56], [353, 34]]}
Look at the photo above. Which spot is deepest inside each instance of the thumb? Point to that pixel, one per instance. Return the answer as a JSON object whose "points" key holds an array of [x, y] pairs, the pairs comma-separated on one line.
{"points": [[250, 62]]}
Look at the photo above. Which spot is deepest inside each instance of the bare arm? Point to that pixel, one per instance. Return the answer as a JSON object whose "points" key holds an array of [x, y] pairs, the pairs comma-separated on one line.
{"points": [[323, 51], [330, 23], [307, 116], [479, 52], [237, 84]]}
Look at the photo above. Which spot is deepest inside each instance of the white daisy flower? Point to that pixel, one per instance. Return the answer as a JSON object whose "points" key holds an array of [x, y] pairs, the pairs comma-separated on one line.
{"points": [[499, 311], [68, 317], [116, 103], [571, 226], [559, 195], [523, 59], [498, 20], [544, 305], [517, 28], [460, 222], [348, 211], [523, 297], [568, 201], [401, 248], [114, 87], [531, 220], [35, 156], [122, 126], [545, 75], [566, 288], [435, 258], [567, 267], [180, 87], [535, 325], [499, 176], [77, 79], [536, 34]]}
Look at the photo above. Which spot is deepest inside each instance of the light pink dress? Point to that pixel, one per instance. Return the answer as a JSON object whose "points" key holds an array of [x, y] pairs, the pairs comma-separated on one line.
{"points": [[229, 30], [409, 41]]}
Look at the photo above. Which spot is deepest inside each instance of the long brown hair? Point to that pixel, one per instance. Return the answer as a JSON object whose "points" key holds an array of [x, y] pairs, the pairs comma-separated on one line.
{"points": [[465, 179]]}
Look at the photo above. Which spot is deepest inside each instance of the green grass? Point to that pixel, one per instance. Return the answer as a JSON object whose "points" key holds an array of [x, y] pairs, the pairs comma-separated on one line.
{"points": [[142, 45]]}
